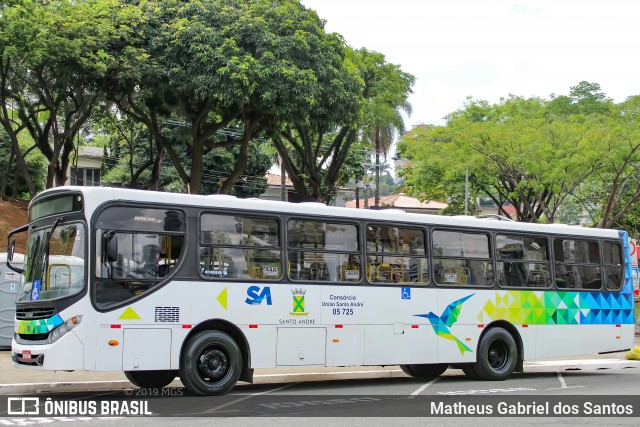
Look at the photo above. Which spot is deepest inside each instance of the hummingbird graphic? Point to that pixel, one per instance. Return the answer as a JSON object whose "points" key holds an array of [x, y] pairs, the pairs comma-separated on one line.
{"points": [[442, 323]]}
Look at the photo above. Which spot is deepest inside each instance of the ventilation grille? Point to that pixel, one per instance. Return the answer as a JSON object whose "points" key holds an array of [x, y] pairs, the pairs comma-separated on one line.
{"points": [[168, 314], [35, 313]]}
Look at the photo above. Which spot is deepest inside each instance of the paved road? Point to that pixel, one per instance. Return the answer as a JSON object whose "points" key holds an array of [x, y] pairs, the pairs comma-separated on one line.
{"points": [[309, 393], [14, 380], [589, 392]]}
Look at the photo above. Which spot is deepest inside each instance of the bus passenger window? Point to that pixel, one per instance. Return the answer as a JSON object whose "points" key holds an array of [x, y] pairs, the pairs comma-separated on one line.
{"points": [[462, 258], [613, 265], [323, 251], [240, 247], [136, 248], [396, 255], [577, 264], [523, 261]]}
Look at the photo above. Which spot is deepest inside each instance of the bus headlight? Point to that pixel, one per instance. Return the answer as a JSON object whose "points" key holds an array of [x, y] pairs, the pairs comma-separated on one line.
{"points": [[61, 330]]}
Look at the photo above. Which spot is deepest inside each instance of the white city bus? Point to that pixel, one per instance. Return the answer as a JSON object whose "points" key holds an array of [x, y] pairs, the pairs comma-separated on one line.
{"points": [[209, 288]]}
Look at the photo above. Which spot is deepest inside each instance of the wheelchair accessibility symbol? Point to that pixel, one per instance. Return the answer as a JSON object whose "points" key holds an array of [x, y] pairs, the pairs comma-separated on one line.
{"points": [[35, 292], [406, 293]]}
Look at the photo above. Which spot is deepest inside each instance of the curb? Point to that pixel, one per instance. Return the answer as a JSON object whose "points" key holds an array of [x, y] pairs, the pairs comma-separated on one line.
{"points": [[580, 365], [530, 367], [61, 387]]}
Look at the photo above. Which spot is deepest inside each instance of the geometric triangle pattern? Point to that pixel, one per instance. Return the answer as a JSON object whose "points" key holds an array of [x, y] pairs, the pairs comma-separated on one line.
{"points": [[129, 314], [40, 326], [558, 308], [222, 298], [562, 307]]}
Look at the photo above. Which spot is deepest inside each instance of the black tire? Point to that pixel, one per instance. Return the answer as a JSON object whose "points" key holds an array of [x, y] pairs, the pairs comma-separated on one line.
{"points": [[150, 379], [428, 371], [210, 363], [497, 356]]}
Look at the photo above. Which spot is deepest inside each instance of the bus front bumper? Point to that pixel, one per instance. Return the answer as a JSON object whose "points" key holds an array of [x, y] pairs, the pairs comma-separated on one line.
{"points": [[66, 354]]}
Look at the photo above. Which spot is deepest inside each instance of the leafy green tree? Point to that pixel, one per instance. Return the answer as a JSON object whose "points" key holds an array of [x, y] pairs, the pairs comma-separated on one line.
{"points": [[219, 164], [131, 159], [317, 150], [620, 146], [12, 183], [525, 152], [54, 56], [584, 98], [386, 92], [215, 64]]}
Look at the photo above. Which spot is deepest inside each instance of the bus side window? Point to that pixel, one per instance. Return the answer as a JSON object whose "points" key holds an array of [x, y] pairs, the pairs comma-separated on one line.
{"points": [[577, 264], [396, 255], [322, 251], [462, 258], [133, 263]]}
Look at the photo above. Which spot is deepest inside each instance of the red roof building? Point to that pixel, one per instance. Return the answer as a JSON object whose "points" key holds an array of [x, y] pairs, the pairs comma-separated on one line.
{"points": [[401, 201]]}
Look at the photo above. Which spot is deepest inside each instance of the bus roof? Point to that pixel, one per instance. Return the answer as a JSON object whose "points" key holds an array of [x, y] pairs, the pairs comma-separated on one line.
{"points": [[96, 196]]}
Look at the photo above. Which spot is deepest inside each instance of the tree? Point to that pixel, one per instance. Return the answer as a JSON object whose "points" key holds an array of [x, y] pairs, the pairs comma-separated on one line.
{"points": [[132, 158], [12, 183], [529, 153], [54, 58], [317, 150], [620, 141], [219, 164], [386, 91], [215, 64]]}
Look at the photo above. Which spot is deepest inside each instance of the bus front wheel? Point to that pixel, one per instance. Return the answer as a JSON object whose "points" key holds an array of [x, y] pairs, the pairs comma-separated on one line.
{"points": [[497, 356], [210, 363], [429, 371], [150, 379]]}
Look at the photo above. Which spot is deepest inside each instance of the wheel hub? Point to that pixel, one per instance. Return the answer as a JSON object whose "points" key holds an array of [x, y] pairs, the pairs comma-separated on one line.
{"points": [[498, 356], [213, 364]]}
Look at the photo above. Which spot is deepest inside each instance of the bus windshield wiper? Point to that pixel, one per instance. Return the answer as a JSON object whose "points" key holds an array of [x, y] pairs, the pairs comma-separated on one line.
{"points": [[45, 246]]}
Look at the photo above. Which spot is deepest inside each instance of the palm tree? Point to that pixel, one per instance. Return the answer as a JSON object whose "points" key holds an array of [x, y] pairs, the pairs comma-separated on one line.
{"points": [[386, 90], [383, 136]]}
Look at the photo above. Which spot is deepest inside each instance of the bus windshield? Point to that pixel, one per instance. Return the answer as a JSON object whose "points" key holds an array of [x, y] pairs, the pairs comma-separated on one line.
{"points": [[54, 262]]}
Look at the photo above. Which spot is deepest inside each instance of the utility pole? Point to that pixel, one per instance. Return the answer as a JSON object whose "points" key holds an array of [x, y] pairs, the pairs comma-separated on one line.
{"points": [[466, 191], [377, 183]]}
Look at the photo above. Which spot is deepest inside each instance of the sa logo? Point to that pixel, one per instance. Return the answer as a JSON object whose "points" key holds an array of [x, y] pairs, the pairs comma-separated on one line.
{"points": [[256, 296]]}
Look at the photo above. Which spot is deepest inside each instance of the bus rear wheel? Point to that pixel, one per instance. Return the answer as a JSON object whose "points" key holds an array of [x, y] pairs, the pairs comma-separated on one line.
{"points": [[150, 379], [210, 363], [497, 356], [425, 371]]}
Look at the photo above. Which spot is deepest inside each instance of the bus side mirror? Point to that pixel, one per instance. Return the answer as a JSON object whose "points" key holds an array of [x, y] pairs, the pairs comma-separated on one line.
{"points": [[12, 248]]}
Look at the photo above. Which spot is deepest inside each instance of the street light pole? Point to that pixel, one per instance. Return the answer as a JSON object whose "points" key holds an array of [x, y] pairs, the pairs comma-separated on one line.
{"points": [[466, 191]]}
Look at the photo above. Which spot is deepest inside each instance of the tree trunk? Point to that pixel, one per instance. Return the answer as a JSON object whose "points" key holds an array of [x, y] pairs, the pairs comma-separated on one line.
{"points": [[154, 182], [238, 170], [21, 164], [5, 175], [195, 180]]}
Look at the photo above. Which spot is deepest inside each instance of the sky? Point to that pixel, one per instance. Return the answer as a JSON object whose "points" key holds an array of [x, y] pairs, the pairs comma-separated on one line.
{"points": [[489, 49]]}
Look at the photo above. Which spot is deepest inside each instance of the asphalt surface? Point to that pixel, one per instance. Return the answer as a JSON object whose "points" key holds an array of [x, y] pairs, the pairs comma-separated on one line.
{"points": [[15, 380]]}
